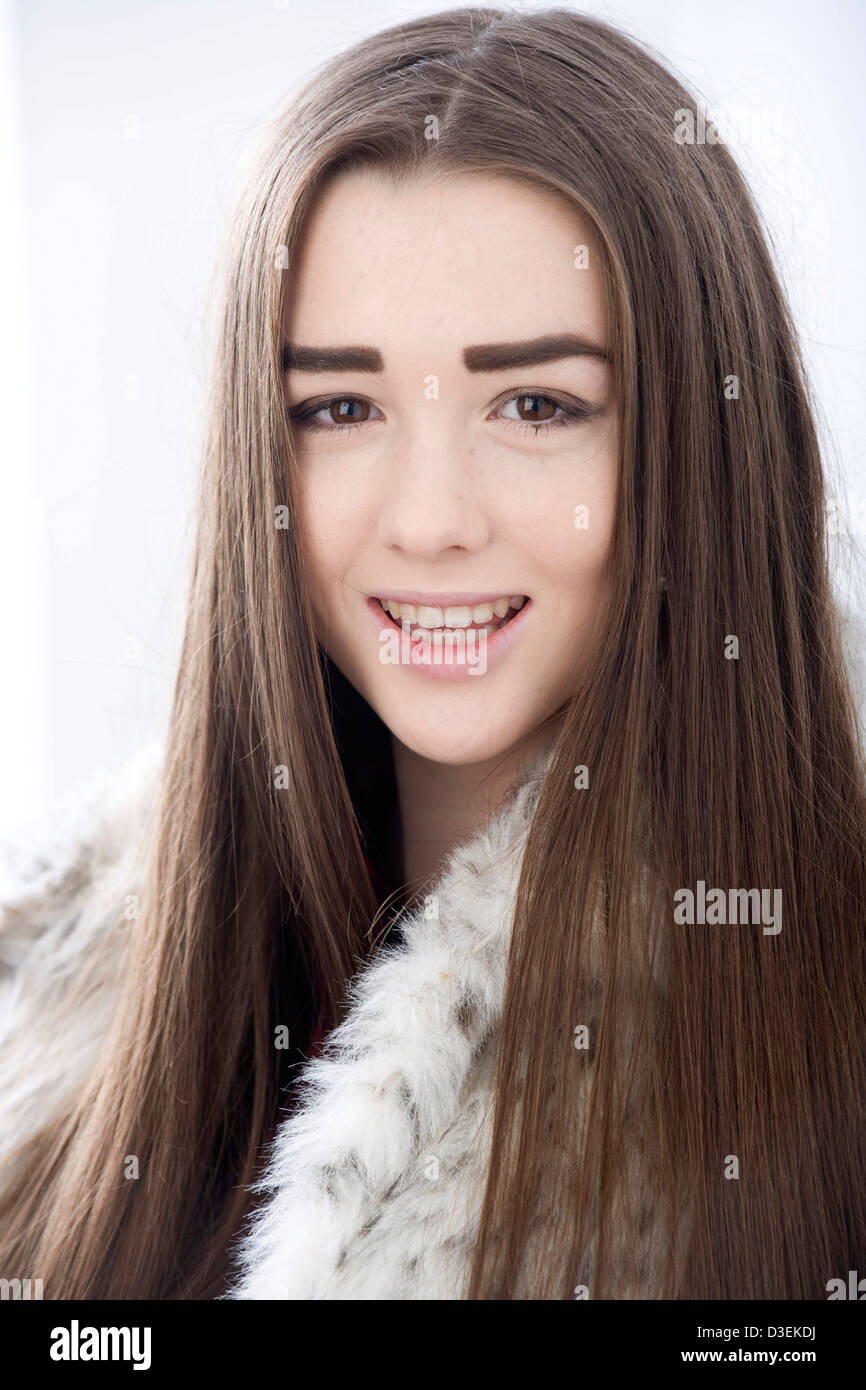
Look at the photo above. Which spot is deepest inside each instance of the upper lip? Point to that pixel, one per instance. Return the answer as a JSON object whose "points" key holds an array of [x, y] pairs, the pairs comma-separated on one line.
{"points": [[455, 599]]}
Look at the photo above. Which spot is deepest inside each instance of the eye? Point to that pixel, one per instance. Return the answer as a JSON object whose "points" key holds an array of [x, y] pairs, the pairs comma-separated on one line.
{"points": [[537, 412], [341, 414]]}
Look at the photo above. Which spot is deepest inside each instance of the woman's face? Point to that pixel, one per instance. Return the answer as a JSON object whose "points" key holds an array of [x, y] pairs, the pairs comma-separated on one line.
{"points": [[454, 460]]}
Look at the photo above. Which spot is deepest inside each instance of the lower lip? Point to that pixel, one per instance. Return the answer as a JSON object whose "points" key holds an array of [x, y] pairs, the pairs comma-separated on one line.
{"points": [[435, 662]]}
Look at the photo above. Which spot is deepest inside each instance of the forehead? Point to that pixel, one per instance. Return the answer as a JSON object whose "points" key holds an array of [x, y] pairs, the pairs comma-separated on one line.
{"points": [[462, 259]]}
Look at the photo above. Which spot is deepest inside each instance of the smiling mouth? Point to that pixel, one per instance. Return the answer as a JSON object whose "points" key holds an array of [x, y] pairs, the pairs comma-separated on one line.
{"points": [[481, 618]]}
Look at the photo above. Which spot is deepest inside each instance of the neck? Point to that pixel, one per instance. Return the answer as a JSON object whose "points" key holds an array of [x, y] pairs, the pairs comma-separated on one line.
{"points": [[442, 804]]}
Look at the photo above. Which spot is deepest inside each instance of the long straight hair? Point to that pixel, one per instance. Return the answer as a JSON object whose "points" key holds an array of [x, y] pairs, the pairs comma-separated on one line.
{"points": [[724, 1087]]}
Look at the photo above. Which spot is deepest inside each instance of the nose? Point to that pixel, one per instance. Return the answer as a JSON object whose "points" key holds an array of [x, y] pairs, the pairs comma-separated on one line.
{"points": [[432, 503]]}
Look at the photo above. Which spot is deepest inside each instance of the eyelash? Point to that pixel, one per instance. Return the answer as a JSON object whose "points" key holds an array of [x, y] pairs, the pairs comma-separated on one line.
{"points": [[574, 412]]}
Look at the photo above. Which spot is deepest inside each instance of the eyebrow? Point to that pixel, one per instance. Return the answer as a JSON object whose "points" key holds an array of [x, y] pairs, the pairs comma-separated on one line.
{"points": [[492, 357], [485, 357]]}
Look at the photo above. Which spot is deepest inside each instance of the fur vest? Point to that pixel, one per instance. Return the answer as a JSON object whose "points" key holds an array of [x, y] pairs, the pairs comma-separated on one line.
{"points": [[375, 1176], [373, 1184], [376, 1181]]}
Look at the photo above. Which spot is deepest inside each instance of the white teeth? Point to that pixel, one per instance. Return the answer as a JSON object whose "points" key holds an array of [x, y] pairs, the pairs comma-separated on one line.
{"points": [[428, 617], [463, 615]]}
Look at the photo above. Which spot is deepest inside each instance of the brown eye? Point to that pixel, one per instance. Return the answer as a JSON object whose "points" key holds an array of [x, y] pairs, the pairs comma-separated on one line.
{"points": [[537, 413], [343, 411], [535, 409], [337, 414]]}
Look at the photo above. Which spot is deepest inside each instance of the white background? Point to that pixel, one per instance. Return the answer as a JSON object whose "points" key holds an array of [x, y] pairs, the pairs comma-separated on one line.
{"points": [[123, 131]]}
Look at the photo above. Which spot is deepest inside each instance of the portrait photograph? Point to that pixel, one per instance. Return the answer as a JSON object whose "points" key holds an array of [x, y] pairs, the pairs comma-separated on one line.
{"points": [[433, 821]]}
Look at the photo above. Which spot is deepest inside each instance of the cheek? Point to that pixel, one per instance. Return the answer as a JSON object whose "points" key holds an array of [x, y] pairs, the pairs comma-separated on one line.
{"points": [[569, 534], [327, 527], [588, 562]]}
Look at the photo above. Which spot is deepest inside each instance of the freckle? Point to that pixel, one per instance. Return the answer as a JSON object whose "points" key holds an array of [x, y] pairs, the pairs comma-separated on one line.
{"points": [[443, 974]]}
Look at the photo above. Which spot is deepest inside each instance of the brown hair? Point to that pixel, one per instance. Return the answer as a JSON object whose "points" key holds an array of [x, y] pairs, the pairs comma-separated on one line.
{"points": [[734, 772]]}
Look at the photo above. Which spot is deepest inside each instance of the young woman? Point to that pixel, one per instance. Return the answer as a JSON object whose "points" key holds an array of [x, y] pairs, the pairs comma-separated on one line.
{"points": [[535, 973]]}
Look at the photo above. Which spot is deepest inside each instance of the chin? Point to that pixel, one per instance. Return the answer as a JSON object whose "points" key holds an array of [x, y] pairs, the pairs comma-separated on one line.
{"points": [[462, 723], [450, 739], [463, 752]]}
